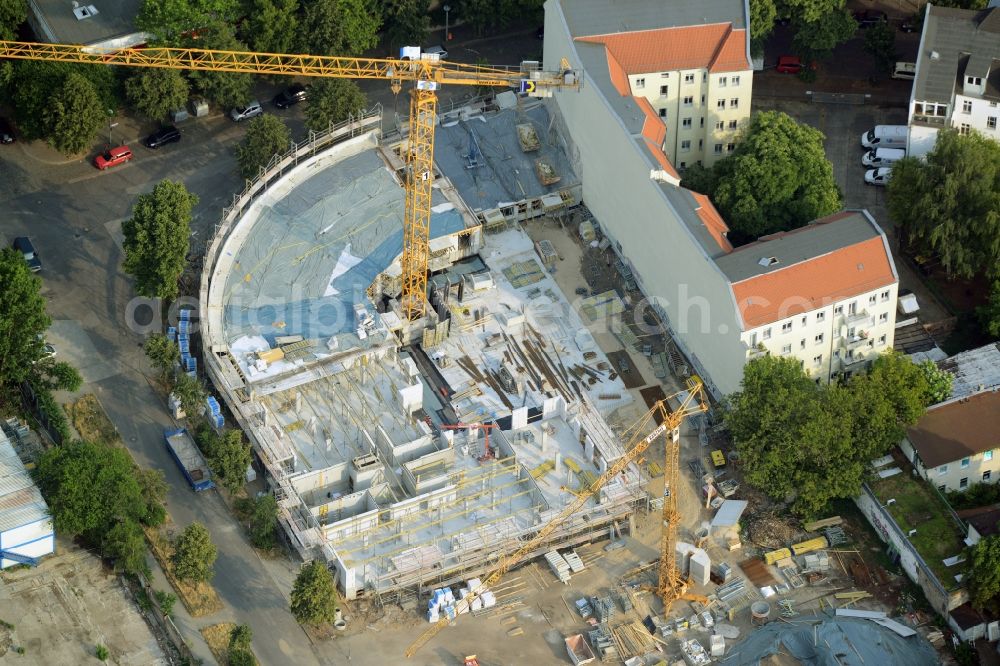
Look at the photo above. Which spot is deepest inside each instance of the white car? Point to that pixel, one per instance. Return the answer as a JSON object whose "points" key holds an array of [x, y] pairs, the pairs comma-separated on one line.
{"points": [[251, 110], [436, 52], [879, 176]]}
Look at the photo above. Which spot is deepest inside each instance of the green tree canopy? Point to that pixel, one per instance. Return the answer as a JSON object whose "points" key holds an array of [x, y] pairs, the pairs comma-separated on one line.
{"points": [[12, 14], [125, 545], [194, 554], [331, 101], [226, 89], [949, 205], [406, 21], [313, 599], [168, 20], [154, 492], [762, 16], [154, 91], [807, 11], [264, 521], [240, 637], [229, 457], [51, 375], [273, 25], [163, 353], [338, 27], [491, 15], [73, 115], [989, 313], [880, 44], [777, 179], [190, 392], [939, 382], [34, 82], [984, 572], [157, 239], [23, 321], [266, 136], [815, 40]]}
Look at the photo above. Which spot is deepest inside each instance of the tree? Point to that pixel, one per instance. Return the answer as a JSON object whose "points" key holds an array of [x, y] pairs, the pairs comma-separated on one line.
{"points": [[229, 458], [163, 353], [125, 545], [339, 27], [904, 384], [807, 11], [73, 115], [984, 572], [169, 20], [777, 179], [314, 600], [949, 204], [33, 83], [762, 16], [491, 15], [962, 4], [264, 521], [880, 44], [240, 637], [12, 14], [938, 382], [266, 137], [273, 25], [226, 89], [241, 658], [815, 40], [194, 554], [22, 319], [989, 313], [406, 21], [190, 392], [166, 601], [155, 91], [50, 375], [331, 101], [157, 239], [153, 485]]}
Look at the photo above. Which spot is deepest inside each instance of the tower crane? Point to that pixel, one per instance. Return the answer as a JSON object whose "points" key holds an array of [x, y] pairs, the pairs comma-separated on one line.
{"points": [[426, 75], [671, 585]]}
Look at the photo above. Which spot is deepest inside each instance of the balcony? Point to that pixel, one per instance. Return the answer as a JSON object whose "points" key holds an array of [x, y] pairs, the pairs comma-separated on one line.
{"points": [[861, 318]]}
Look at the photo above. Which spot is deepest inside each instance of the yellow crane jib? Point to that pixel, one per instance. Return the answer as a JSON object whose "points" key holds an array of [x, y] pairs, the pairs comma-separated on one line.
{"points": [[427, 73]]}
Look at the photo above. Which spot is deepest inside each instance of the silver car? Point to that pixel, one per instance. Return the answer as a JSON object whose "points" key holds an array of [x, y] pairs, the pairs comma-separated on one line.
{"points": [[250, 110]]}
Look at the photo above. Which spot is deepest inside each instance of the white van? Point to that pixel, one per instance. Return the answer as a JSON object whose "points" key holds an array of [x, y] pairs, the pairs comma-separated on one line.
{"points": [[907, 71], [885, 136], [882, 157]]}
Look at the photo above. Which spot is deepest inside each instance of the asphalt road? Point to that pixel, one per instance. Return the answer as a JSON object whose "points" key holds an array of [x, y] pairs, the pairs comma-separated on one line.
{"points": [[73, 214]]}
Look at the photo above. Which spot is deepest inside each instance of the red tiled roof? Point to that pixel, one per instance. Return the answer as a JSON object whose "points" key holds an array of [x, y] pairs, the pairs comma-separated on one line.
{"points": [[717, 47], [661, 157], [710, 217], [652, 127], [811, 284], [618, 77]]}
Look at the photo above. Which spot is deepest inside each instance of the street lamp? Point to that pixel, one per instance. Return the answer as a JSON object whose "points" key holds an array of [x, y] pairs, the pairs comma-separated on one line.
{"points": [[446, 8], [111, 125]]}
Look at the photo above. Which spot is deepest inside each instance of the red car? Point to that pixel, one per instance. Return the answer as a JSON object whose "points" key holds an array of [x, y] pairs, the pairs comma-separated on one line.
{"points": [[113, 157], [789, 64]]}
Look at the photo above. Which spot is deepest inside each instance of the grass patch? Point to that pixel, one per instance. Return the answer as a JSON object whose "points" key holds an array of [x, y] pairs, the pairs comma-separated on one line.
{"points": [[217, 637], [200, 599], [91, 421], [918, 507]]}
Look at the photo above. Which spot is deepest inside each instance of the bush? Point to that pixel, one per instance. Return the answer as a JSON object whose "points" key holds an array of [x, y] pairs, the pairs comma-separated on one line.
{"points": [[101, 652]]}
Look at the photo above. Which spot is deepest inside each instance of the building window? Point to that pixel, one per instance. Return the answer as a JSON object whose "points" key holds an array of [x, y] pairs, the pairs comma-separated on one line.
{"points": [[871, 299], [820, 316], [723, 81], [767, 333], [664, 90], [885, 296], [881, 340], [688, 101], [704, 77], [701, 146], [663, 113], [718, 149], [736, 81], [640, 83], [787, 326], [965, 463], [963, 482], [733, 124], [719, 126], [851, 332], [967, 106], [665, 75], [838, 310], [819, 339], [689, 78], [734, 103], [852, 308], [991, 122], [986, 475], [730, 147], [805, 320], [802, 343], [818, 359], [787, 349], [942, 488], [987, 456], [884, 317], [684, 165], [686, 122], [942, 470], [685, 146], [721, 104], [963, 128]]}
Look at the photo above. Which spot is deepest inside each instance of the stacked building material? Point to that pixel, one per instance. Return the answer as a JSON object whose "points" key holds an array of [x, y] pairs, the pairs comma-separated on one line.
{"points": [[604, 644], [836, 536], [574, 561], [215, 412], [442, 601], [604, 609], [623, 600], [560, 567]]}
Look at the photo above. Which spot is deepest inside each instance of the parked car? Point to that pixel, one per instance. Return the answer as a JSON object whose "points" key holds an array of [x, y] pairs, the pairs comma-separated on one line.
{"points": [[250, 110], [6, 133], [789, 64], [23, 245], [870, 17], [436, 50], [882, 157], [113, 157], [162, 136], [291, 96], [908, 25], [878, 176]]}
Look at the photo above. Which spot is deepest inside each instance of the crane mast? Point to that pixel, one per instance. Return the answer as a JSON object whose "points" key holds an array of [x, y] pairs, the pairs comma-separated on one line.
{"points": [[426, 75]]}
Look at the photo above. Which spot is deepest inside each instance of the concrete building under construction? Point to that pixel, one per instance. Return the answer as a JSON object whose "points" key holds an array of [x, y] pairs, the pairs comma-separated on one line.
{"points": [[351, 410]]}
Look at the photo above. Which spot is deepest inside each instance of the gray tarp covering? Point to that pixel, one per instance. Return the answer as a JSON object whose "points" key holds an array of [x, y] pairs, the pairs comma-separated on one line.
{"points": [[833, 642]]}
